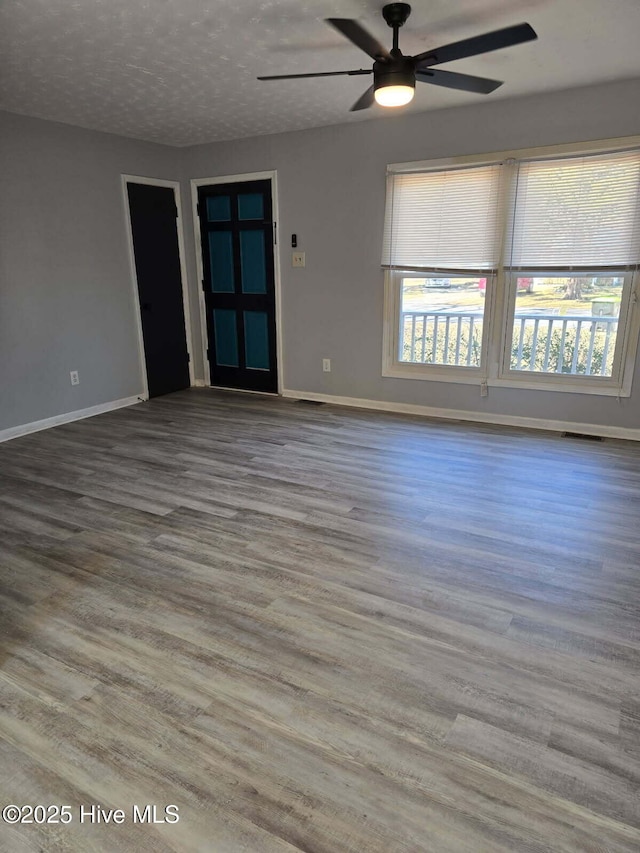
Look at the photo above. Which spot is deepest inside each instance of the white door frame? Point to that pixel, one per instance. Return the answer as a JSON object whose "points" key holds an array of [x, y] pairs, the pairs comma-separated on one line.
{"points": [[175, 186], [236, 179]]}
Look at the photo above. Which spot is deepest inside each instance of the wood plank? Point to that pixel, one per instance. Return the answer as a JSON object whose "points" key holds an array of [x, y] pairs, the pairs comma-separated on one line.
{"points": [[316, 628]]}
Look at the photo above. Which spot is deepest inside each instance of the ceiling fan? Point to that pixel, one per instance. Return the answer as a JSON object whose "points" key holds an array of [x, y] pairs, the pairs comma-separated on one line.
{"points": [[395, 75]]}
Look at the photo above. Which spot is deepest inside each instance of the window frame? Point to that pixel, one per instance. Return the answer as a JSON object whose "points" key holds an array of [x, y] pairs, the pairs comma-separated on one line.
{"points": [[612, 385], [392, 366], [500, 294]]}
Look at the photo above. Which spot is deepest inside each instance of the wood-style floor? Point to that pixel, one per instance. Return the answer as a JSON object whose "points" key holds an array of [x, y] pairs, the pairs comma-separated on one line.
{"points": [[319, 629]]}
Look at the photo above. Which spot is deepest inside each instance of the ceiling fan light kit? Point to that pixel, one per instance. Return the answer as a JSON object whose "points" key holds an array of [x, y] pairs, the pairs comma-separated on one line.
{"points": [[395, 75], [394, 82], [394, 96]]}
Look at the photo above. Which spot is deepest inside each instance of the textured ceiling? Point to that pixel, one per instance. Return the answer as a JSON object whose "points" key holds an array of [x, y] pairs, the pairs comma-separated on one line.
{"points": [[181, 72]]}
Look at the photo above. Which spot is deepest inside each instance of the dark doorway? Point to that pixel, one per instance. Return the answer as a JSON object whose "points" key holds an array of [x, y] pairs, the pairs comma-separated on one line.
{"points": [[236, 227], [154, 233]]}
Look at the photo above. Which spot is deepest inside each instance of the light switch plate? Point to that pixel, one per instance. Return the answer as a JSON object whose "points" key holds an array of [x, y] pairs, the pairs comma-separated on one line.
{"points": [[297, 259]]}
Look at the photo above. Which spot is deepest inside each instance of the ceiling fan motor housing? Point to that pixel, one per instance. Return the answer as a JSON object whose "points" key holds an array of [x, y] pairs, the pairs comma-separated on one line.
{"points": [[395, 14], [397, 71]]}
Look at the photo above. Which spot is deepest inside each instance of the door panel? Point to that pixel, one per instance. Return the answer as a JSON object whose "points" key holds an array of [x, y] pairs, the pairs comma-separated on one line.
{"points": [[218, 208], [250, 206], [256, 340], [225, 337], [253, 269], [154, 233], [236, 227], [221, 254]]}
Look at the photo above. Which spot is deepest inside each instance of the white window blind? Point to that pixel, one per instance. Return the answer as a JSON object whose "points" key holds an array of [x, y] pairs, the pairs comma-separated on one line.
{"points": [[445, 221], [577, 212]]}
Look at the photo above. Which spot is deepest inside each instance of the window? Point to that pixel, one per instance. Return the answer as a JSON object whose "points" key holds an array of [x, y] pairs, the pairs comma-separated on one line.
{"points": [[519, 271]]}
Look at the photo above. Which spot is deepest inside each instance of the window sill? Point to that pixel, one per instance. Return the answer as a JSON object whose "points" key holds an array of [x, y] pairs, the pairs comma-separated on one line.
{"points": [[468, 376], [474, 376], [573, 385]]}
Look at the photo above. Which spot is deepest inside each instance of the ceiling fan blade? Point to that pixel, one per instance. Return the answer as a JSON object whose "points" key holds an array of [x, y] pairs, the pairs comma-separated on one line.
{"points": [[360, 37], [317, 74], [478, 44], [453, 80], [365, 100]]}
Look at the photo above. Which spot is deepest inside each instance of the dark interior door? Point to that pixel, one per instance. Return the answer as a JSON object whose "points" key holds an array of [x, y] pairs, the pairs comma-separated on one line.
{"points": [[155, 244], [236, 226]]}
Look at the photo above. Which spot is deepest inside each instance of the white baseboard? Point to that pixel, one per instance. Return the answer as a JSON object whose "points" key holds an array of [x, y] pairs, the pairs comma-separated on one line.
{"points": [[198, 383], [478, 417], [358, 403], [47, 423]]}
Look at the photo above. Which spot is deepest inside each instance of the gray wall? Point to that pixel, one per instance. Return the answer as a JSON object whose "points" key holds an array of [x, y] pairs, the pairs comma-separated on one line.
{"points": [[66, 298], [332, 191]]}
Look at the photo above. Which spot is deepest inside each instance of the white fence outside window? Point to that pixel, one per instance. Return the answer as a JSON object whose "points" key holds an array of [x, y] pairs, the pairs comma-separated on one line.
{"points": [[541, 342]]}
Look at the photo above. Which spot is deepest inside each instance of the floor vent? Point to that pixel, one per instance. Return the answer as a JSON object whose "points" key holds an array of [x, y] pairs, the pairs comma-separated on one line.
{"points": [[582, 436]]}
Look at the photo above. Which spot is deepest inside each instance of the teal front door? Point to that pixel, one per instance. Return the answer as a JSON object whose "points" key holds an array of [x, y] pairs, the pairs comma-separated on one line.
{"points": [[236, 227]]}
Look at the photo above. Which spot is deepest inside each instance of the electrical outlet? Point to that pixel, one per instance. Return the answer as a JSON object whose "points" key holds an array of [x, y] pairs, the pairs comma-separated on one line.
{"points": [[75, 379], [297, 259], [326, 365]]}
